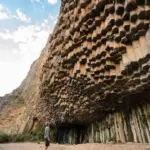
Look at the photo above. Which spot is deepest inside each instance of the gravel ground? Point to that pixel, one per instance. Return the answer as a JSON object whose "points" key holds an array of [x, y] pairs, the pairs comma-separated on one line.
{"points": [[34, 146]]}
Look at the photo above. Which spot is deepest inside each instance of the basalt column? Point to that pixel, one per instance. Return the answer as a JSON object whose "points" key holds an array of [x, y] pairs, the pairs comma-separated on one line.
{"points": [[97, 66]]}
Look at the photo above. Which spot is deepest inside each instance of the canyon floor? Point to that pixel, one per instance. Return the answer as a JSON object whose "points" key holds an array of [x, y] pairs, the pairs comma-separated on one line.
{"points": [[34, 146]]}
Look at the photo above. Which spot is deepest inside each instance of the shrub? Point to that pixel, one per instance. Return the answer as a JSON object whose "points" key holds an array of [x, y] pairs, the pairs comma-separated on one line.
{"points": [[4, 138], [25, 137]]}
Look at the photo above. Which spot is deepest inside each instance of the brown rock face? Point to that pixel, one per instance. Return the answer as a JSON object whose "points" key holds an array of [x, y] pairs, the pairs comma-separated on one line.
{"points": [[94, 72], [98, 58]]}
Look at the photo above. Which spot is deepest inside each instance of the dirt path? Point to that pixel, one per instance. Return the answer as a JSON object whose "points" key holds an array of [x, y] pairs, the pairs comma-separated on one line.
{"points": [[34, 146]]}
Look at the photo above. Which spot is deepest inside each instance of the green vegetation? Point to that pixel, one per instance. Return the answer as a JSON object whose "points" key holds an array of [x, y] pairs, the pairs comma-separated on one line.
{"points": [[18, 101], [4, 138], [25, 137], [34, 136]]}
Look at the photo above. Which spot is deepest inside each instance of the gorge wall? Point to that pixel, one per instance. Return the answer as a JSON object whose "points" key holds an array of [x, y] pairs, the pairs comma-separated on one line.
{"points": [[92, 79]]}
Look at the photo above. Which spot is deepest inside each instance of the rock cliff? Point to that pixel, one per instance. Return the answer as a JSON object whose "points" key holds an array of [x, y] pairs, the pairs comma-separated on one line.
{"points": [[92, 79]]}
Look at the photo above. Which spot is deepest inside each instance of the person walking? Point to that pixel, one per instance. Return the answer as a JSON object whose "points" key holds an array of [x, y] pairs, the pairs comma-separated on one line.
{"points": [[46, 135]]}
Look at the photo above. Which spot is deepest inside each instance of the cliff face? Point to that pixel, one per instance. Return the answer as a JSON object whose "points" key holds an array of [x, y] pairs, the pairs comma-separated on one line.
{"points": [[11, 107], [98, 59], [92, 79]]}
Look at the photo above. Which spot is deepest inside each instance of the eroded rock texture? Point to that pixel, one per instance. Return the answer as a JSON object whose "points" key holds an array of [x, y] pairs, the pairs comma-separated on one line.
{"points": [[95, 73], [98, 57]]}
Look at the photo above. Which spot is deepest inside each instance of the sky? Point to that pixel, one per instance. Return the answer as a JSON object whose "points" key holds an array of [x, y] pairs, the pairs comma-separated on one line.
{"points": [[24, 29]]}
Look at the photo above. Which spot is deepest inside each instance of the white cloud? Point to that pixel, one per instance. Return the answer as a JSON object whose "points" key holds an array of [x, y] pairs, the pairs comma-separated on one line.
{"points": [[51, 17], [1, 7], [4, 14], [46, 21], [38, 1], [26, 45], [35, 1], [52, 1], [29, 36], [8, 75], [22, 16]]}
